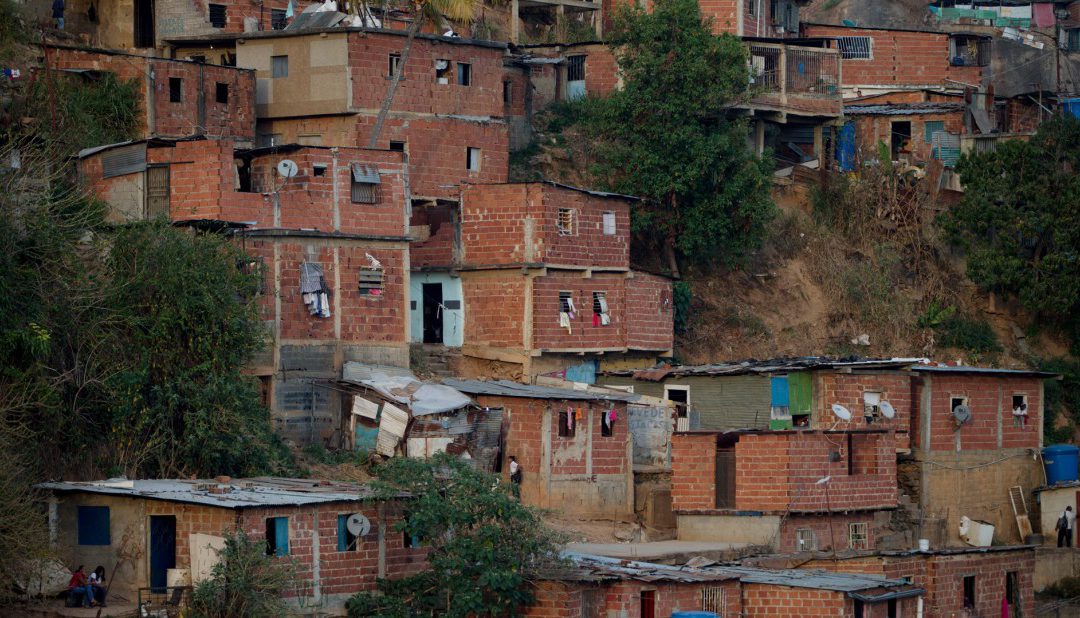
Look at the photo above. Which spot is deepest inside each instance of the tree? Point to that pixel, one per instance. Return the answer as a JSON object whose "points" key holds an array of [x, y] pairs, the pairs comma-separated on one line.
{"points": [[245, 583], [669, 136], [484, 545], [1019, 221], [422, 11]]}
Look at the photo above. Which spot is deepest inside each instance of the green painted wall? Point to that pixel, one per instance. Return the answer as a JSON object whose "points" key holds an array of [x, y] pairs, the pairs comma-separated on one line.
{"points": [[730, 402]]}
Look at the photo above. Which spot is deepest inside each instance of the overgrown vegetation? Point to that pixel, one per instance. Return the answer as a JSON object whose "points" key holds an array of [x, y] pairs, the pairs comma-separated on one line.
{"points": [[669, 136], [484, 546], [1017, 222], [245, 583]]}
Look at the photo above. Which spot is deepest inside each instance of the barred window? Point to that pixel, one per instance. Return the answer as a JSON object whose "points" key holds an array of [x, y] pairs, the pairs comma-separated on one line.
{"points": [[712, 600], [856, 47], [857, 536], [805, 540], [566, 222], [575, 68]]}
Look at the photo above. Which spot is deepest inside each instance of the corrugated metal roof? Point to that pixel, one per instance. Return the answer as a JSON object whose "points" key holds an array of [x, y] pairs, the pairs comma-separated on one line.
{"points": [[590, 567], [235, 494], [506, 388], [776, 365], [984, 370], [902, 109], [813, 578]]}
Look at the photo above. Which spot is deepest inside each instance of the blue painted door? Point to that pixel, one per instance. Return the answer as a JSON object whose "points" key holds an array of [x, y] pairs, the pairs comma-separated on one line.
{"points": [[162, 549], [845, 148]]}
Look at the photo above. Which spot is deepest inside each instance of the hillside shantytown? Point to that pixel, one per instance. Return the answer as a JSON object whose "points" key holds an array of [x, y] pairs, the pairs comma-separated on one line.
{"points": [[459, 253]]}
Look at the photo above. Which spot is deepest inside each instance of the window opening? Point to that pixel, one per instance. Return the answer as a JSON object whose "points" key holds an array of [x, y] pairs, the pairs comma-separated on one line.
{"points": [[472, 159], [277, 536], [855, 47], [318, 169], [279, 66], [346, 541], [313, 290], [397, 146], [871, 406], [442, 71], [857, 536], [860, 609], [371, 282], [392, 62], [600, 309], [464, 74], [508, 92], [278, 19], [1012, 591], [94, 525], [930, 127], [969, 51], [365, 183], [712, 600], [805, 540], [680, 396], [176, 85], [969, 592], [566, 222], [568, 422], [1019, 410], [890, 609], [217, 15], [607, 422], [221, 93], [609, 223], [575, 68]]}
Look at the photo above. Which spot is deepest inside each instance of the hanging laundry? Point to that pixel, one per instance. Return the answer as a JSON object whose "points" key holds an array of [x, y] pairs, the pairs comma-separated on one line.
{"points": [[596, 319], [612, 415], [564, 321], [313, 290], [570, 419], [604, 319], [290, 11]]}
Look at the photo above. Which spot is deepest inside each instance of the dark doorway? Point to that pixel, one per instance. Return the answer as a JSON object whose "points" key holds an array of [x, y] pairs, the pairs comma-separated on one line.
{"points": [[725, 472], [144, 23], [901, 139], [432, 313], [648, 604], [162, 549]]}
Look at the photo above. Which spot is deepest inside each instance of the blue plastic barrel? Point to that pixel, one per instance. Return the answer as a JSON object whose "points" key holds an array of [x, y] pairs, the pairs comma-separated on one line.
{"points": [[693, 615], [1062, 462]]}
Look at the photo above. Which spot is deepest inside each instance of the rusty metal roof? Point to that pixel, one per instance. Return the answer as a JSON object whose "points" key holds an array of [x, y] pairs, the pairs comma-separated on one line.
{"points": [[903, 109], [590, 567], [776, 365], [506, 388]]}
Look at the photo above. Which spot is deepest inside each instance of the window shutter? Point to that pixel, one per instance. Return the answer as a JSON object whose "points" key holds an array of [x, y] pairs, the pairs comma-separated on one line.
{"points": [[123, 160], [281, 536], [342, 529]]}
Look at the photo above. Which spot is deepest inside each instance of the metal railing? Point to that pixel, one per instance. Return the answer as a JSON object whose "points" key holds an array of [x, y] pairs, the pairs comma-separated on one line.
{"points": [[163, 602], [795, 70]]}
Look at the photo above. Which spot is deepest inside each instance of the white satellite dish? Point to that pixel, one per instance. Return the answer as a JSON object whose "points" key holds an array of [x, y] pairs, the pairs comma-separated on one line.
{"points": [[841, 411], [358, 525], [961, 414], [287, 168], [887, 409]]}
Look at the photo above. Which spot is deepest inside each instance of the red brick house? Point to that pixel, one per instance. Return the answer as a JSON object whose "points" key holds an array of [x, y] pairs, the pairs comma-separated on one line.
{"points": [[337, 227], [179, 98], [174, 527], [573, 446], [325, 87], [542, 272], [789, 490], [595, 587]]}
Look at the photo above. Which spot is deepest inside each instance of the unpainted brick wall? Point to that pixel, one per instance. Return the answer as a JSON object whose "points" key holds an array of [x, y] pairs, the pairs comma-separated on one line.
{"points": [[495, 309], [990, 401], [175, 18], [587, 245], [567, 599], [831, 531], [847, 389], [693, 471], [870, 130], [159, 116], [787, 602], [441, 224], [900, 58], [650, 312], [584, 333], [494, 224]]}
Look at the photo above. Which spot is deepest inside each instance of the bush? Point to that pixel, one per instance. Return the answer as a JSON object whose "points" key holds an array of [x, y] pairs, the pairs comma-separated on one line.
{"points": [[246, 582], [968, 334]]}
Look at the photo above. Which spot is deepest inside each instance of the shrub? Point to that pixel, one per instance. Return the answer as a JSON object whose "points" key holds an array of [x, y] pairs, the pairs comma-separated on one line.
{"points": [[245, 582]]}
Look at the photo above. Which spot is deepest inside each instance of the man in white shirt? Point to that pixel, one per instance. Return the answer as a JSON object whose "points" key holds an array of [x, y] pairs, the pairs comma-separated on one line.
{"points": [[515, 477], [1065, 526]]}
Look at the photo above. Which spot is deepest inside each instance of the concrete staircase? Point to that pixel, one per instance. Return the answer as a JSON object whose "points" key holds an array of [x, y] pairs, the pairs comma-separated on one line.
{"points": [[430, 360]]}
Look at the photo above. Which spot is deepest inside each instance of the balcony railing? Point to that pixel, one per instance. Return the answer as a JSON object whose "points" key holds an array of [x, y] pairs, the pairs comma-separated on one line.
{"points": [[795, 78]]}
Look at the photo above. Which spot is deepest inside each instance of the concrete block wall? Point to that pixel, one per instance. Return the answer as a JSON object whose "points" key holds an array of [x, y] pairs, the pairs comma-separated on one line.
{"points": [[198, 113], [899, 58], [847, 389], [650, 312]]}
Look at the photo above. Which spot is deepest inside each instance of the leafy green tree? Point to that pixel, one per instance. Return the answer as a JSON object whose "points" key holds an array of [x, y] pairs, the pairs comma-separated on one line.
{"points": [[245, 583], [670, 136], [1020, 223], [484, 546]]}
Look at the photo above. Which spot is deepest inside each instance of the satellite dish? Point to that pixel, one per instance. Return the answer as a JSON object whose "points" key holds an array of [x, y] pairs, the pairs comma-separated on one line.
{"points": [[358, 525], [841, 411], [287, 168], [887, 409], [961, 414]]}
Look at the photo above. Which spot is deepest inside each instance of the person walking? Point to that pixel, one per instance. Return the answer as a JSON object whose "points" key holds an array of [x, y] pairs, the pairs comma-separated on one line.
{"points": [[58, 13], [1065, 526]]}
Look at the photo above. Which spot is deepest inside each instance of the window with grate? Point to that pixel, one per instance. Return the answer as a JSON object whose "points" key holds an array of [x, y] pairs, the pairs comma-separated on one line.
{"points": [[279, 66], [805, 540], [566, 302], [575, 68], [600, 309], [464, 74], [930, 127], [221, 93], [371, 282], [566, 222], [856, 47], [857, 536], [278, 20], [969, 51], [363, 193], [176, 90], [218, 15], [712, 600], [609, 224], [1072, 42], [567, 423]]}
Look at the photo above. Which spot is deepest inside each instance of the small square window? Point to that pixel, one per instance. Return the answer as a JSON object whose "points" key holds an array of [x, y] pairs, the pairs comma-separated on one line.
{"points": [[176, 87], [221, 93], [472, 159], [392, 62], [346, 541], [1019, 404], [277, 536], [318, 170], [94, 525], [609, 224], [464, 74], [566, 222], [442, 71], [371, 282], [408, 540], [567, 423], [278, 19], [279, 66], [217, 15], [397, 146], [955, 402], [857, 536]]}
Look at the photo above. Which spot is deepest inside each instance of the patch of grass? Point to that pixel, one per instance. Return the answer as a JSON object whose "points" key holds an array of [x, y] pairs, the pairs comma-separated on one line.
{"points": [[521, 167]]}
